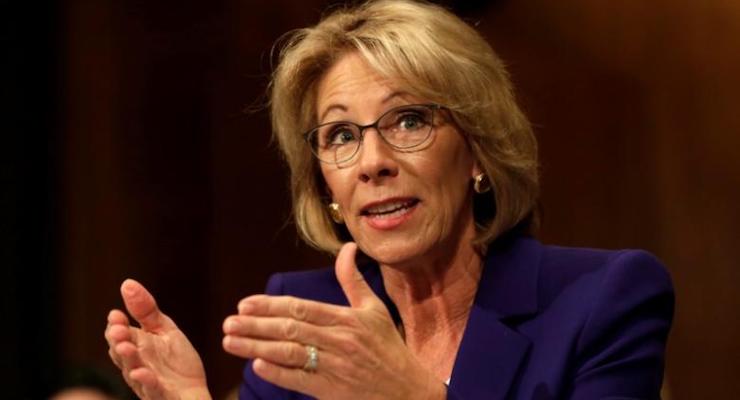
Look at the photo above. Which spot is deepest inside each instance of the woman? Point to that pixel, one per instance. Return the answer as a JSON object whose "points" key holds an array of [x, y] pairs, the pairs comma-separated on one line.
{"points": [[399, 125]]}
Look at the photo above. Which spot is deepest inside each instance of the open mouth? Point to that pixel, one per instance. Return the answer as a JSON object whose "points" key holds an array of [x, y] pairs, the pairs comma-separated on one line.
{"points": [[389, 209]]}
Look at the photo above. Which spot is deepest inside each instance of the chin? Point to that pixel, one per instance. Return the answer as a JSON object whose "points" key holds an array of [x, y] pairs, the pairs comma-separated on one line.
{"points": [[393, 252]]}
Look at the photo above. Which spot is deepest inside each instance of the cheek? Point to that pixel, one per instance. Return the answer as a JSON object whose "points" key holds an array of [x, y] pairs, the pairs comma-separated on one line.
{"points": [[451, 185], [453, 198], [450, 174], [333, 180]]}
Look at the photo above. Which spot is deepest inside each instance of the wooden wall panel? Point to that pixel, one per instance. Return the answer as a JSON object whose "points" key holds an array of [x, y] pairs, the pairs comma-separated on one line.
{"points": [[166, 179], [636, 104]]}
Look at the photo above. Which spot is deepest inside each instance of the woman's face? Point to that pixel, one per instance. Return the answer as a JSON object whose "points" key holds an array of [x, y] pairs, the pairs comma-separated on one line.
{"points": [[400, 207]]}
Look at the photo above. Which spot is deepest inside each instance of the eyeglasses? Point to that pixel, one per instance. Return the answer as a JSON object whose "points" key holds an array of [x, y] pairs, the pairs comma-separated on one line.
{"points": [[403, 128]]}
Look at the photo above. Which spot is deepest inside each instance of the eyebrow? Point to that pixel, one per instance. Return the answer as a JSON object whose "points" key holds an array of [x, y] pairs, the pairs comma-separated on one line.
{"points": [[344, 108]]}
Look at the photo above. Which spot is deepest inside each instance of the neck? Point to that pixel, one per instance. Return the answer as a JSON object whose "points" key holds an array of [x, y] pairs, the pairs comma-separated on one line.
{"points": [[434, 294]]}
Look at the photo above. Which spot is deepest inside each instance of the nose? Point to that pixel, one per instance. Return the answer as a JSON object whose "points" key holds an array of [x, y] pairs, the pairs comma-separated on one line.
{"points": [[376, 160]]}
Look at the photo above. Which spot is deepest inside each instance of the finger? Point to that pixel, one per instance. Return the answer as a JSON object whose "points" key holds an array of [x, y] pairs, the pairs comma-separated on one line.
{"points": [[135, 386], [115, 336], [113, 320], [290, 378], [116, 331], [142, 306], [116, 316], [129, 354], [115, 358], [276, 328], [149, 385], [310, 311], [128, 351], [288, 354], [128, 359], [119, 333], [113, 355], [353, 283]]}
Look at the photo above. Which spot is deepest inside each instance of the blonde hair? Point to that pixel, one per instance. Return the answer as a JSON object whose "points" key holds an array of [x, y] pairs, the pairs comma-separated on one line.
{"points": [[439, 58]]}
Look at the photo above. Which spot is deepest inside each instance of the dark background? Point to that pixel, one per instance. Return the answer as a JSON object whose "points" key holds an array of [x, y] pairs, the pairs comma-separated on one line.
{"points": [[127, 152]]}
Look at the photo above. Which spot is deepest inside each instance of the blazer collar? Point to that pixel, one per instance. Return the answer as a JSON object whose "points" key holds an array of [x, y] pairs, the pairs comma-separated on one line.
{"points": [[508, 284], [491, 351]]}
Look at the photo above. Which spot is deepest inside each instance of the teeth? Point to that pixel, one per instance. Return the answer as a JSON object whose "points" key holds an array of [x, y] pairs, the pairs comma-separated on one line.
{"points": [[393, 214], [388, 208]]}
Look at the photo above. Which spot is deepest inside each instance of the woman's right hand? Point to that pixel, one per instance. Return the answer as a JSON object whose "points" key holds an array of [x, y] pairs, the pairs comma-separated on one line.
{"points": [[156, 359]]}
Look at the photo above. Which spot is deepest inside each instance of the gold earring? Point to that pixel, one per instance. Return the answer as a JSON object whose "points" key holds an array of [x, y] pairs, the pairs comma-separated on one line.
{"points": [[335, 213], [481, 184]]}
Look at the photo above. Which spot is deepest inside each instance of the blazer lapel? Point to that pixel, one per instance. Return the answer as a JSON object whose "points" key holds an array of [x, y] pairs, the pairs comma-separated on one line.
{"points": [[374, 279], [491, 351]]}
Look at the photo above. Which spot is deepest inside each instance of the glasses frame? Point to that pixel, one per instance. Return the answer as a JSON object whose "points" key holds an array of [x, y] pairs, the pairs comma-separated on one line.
{"points": [[307, 136]]}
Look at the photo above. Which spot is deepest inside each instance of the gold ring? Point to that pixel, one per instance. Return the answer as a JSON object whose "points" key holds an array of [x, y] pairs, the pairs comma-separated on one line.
{"points": [[312, 359]]}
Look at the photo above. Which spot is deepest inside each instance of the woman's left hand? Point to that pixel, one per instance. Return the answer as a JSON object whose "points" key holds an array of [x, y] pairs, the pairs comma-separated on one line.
{"points": [[360, 353]]}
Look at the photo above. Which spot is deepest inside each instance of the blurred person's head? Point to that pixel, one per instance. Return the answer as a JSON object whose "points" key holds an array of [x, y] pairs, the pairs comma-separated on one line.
{"points": [[87, 383], [81, 393]]}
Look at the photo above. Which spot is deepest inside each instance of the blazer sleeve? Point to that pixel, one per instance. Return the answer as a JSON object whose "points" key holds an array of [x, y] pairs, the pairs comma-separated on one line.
{"points": [[253, 387], [620, 351]]}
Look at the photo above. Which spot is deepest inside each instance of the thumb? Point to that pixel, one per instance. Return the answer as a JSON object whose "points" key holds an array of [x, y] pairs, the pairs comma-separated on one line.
{"points": [[353, 283], [142, 306]]}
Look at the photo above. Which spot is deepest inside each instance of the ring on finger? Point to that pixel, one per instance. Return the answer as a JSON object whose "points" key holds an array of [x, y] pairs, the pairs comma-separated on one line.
{"points": [[312, 359]]}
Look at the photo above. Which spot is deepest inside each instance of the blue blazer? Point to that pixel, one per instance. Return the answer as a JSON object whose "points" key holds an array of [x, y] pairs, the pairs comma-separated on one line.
{"points": [[547, 322]]}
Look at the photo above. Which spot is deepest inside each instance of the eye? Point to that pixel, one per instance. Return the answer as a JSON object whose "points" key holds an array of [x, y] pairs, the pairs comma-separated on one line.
{"points": [[410, 121], [339, 135]]}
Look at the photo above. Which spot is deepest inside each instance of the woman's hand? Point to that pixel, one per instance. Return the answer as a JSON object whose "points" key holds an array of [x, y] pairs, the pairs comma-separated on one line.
{"points": [[156, 360], [360, 353]]}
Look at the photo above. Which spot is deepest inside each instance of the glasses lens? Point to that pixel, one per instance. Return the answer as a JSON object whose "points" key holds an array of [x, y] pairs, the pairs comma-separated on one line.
{"points": [[402, 127], [407, 126], [335, 142]]}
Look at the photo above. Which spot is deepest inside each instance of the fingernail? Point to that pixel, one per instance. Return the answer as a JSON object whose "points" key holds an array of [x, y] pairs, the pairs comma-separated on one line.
{"points": [[246, 307], [232, 325], [259, 364], [129, 289], [230, 343]]}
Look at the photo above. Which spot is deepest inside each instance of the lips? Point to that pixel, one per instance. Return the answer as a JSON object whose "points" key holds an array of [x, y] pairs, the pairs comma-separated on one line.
{"points": [[389, 208]]}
